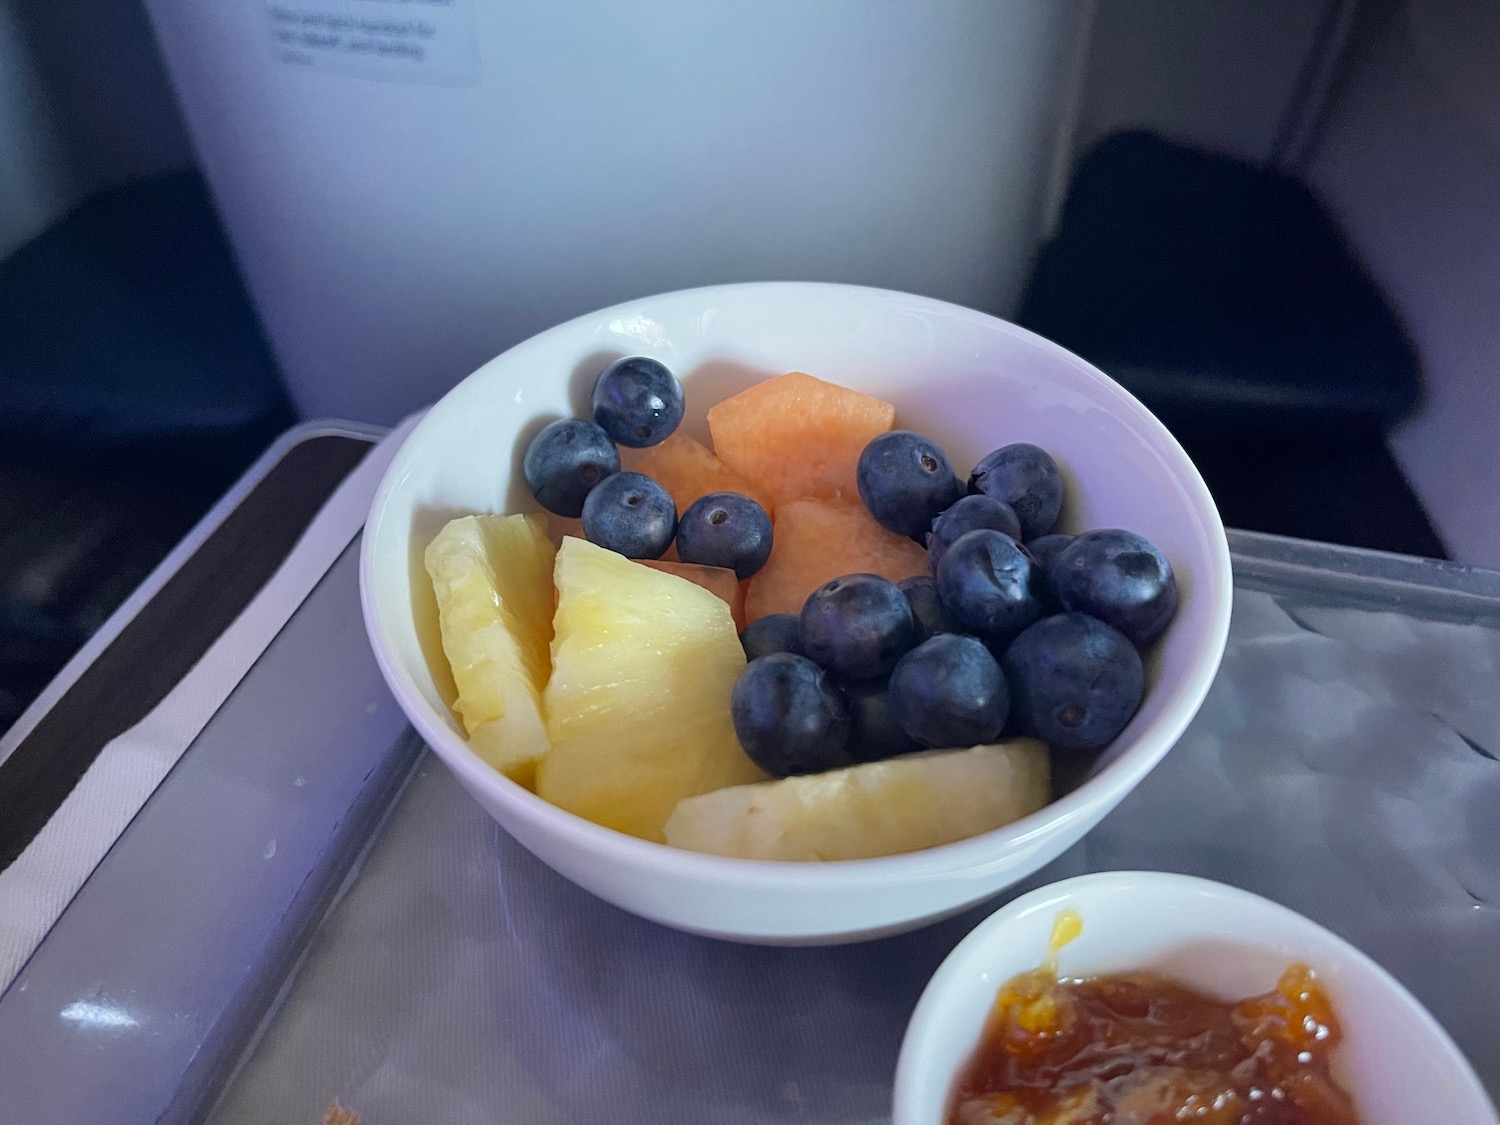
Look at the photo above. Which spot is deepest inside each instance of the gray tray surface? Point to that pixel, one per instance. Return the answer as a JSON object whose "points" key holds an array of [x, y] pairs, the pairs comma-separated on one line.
{"points": [[1344, 764]]}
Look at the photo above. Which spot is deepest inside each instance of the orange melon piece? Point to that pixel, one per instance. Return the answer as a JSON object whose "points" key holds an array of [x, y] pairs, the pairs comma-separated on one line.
{"points": [[797, 437], [560, 527], [715, 579], [688, 469], [819, 540]]}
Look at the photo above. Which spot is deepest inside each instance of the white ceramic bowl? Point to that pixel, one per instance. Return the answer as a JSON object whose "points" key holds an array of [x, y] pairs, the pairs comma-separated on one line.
{"points": [[1396, 1061], [969, 380]]}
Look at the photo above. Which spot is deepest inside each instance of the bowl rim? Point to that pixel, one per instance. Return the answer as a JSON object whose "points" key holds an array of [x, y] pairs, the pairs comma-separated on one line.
{"points": [[972, 856], [931, 1010]]}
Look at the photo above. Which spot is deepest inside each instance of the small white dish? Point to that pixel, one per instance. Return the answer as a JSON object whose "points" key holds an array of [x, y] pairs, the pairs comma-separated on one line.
{"points": [[969, 380], [1397, 1062]]}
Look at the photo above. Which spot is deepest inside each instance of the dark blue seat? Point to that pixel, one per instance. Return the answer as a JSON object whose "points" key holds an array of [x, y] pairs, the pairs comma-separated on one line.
{"points": [[124, 328], [1225, 297], [135, 385], [1221, 294]]}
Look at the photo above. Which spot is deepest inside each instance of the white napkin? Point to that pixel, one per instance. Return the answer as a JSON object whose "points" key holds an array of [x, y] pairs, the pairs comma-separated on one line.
{"points": [[37, 887]]}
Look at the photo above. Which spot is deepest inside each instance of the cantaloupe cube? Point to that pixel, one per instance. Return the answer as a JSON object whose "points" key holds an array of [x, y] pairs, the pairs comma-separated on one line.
{"points": [[560, 527], [819, 540], [797, 437], [715, 579], [688, 469]]}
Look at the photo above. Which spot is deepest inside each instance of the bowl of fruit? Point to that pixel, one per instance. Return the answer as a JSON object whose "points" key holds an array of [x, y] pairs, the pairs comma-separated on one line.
{"points": [[794, 613]]}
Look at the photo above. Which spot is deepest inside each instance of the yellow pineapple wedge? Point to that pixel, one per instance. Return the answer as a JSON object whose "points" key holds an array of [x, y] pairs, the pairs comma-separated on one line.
{"points": [[643, 663], [902, 804], [493, 579]]}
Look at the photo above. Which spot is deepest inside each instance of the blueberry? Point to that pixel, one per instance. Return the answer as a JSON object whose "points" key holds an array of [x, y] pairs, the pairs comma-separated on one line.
{"points": [[565, 461], [970, 514], [1119, 578], [1026, 478], [775, 632], [1076, 681], [857, 626], [926, 607], [905, 480], [632, 514], [789, 716], [637, 402], [725, 529], [874, 733], [949, 692], [986, 583], [1045, 548]]}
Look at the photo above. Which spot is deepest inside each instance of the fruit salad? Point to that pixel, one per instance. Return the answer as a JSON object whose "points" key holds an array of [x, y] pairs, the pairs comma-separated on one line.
{"points": [[813, 640]]}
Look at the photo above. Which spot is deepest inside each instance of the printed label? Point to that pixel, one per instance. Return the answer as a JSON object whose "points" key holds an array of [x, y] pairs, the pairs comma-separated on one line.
{"points": [[432, 41]]}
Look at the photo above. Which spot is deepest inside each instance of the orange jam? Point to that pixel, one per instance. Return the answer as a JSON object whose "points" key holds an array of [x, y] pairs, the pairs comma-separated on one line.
{"points": [[1139, 1049]]}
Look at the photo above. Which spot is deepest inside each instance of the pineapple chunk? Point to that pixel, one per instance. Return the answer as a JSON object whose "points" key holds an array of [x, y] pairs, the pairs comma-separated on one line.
{"points": [[492, 576], [643, 663], [902, 804]]}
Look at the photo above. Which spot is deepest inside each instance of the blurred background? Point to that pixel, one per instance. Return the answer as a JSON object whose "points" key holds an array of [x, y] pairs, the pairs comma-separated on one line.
{"points": [[1276, 221]]}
